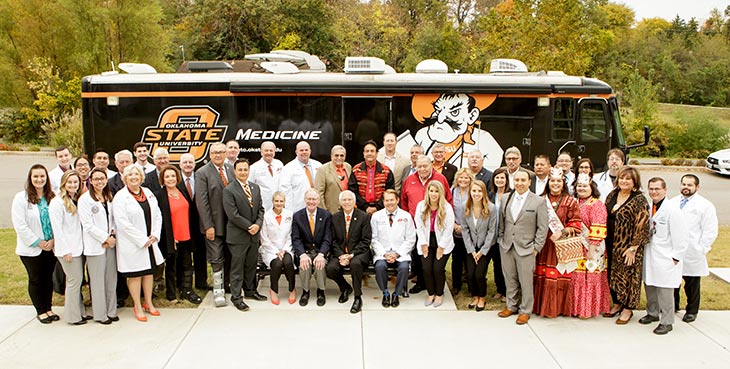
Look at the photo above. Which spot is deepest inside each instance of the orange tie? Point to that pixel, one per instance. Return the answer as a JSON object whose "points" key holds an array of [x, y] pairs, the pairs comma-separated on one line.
{"points": [[653, 210], [278, 218], [188, 187], [223, 177], [311, 223], [309, 175], [347, 233]]}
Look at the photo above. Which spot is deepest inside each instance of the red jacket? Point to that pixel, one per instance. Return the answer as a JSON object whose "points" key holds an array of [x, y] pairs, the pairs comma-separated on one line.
{"points": [[358, 183], [413, 191]]}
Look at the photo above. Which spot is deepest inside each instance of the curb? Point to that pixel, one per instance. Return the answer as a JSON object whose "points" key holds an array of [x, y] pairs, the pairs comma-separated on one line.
{"points": [[673, 168]]}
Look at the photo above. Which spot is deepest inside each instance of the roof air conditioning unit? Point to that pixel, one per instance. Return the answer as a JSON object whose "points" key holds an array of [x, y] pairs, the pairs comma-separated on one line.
{"points": [[137, 68], [432, 66], [280, 67], [507, 66], [314, 63], [364, 65]]}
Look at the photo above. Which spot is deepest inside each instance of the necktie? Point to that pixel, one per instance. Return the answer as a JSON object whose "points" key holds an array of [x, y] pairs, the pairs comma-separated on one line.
{"points": [[309, 175], [271, 172], [188, 187], [311, 223], [390, 219], [248, 194], [278, 218], [347, 232], [653, 210], [683, 202], [516, 206], [223, 177]]}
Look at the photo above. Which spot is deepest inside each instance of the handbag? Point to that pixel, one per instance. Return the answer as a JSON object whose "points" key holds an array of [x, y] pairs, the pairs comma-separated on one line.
{"points": [[569, 249]]}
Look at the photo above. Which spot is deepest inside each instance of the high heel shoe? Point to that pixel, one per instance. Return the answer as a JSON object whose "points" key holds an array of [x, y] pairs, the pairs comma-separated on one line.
{"points": [[620, 321], [143, 318], [292, 297], [274, 297], [148, 310]]}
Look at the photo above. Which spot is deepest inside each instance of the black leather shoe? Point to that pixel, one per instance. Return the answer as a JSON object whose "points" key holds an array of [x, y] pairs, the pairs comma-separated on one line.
{"points": [[689, 318], [80, 322], [416, 289], [255, 296], [321, 300], [54, 317], [105, 322], [648, 319], [394, 302], [87, 317], [240, 305], [345, 295], [46, 320], [386, 300], [113, 318], [663, 329], [304, 300], [356, 305], [191, 296]]}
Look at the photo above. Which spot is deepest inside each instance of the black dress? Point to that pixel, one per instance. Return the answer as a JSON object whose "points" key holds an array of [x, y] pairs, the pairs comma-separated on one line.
{"points": [[145, 205]]}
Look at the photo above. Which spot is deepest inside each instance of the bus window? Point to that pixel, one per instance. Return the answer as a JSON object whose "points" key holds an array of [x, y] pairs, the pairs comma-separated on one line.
{"points": [[562, 119], [593, 121]]}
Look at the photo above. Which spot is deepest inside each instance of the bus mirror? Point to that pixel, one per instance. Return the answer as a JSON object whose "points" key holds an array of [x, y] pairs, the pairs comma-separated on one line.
{"points": [[647, 136]]}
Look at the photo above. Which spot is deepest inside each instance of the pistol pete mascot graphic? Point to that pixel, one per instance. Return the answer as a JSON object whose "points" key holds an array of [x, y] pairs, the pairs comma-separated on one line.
{"points": [[452, 120]]}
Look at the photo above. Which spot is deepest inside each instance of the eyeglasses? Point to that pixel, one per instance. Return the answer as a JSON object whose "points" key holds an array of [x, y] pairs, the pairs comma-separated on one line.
{"points": [[511, 159], [97, 179], [218, 152], [82, 165]]}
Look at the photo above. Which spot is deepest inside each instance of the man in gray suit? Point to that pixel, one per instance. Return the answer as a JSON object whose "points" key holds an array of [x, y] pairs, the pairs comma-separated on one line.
{"points": [[523, 229], [210, 180], [242, 203]]}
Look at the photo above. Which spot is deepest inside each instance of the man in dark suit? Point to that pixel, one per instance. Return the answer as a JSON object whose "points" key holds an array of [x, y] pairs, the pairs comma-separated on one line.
{"points": [[311, 237], [513, 161], [351, 235], [210, 180], [475, 160], [441, 165], [122, 160], [152, 181], [245, 212]]}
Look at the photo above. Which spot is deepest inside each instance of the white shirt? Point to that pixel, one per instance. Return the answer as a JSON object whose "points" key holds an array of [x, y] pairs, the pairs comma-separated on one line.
{"points": [[389, 161], [517, 202], [55, 177], [605, 184], [148, 167], [192, 182], [399, 238], [540, 184], [701, 219], [267, 182], [294, 182], [110, 173]]}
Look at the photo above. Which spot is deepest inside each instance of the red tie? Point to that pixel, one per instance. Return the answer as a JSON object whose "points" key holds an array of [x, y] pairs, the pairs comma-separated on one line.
{"points": [[347, 232], [188, 187], [223, 177], [278, 218], [271, 172]]}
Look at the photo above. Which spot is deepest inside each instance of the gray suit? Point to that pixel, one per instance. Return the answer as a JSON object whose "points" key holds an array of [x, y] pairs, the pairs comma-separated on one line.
{"points": [[244, 247], [520, 238], [209, 200], [480, 236]]}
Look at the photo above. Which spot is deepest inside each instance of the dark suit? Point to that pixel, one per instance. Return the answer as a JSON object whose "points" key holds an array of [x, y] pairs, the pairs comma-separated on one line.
{"points": [[242, 213], [449, 171], [405, 174], [152, 181], [200, 264], [485, 175], [209, 200], [356, 242], [303, 242], [178, 263], [115, 184]]}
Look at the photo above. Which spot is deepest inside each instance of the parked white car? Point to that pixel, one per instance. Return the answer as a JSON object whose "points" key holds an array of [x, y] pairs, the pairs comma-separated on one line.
{"points": [[719, 162]]}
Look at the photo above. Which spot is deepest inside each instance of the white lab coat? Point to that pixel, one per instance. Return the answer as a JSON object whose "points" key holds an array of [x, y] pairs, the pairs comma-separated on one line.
{"points": [[132, 256], [605, 184], [267, 183], [294, 182], [444, 237], [96, 224], [401, 237], [54, 176], [27, 225], [66, 230], [701, 219], [668, 241], [274, 236]]}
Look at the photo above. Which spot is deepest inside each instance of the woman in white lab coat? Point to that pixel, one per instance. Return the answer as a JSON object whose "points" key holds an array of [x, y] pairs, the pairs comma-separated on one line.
{"points": [[138, 224], [276, 246], [69, 246], [95, 213]]}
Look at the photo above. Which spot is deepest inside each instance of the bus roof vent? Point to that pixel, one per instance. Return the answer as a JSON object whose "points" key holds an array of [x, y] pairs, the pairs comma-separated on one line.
{"points": [[137, 68], [314, 63], [432, 66], [280, 67], [507, 66], [209, 66], [364, 65], [556, 73]]}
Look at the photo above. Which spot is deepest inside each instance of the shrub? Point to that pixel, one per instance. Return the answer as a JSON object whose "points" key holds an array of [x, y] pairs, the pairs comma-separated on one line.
{"points": [[66, 130], [698, 137]]}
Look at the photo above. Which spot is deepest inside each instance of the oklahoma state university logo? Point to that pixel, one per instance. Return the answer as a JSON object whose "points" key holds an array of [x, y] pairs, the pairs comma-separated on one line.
{"points": [[185, 129]]}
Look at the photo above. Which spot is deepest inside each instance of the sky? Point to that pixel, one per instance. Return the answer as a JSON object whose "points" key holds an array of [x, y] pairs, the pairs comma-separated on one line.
{"points": [[668, 9]]}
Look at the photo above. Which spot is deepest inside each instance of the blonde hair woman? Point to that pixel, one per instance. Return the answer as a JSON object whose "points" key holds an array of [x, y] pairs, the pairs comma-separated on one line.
{"points": [[434, 227], [479, 232], [460, 193]]}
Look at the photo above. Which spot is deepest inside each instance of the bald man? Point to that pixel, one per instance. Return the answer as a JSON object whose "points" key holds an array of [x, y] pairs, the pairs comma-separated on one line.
{"points": [[297, 177]]}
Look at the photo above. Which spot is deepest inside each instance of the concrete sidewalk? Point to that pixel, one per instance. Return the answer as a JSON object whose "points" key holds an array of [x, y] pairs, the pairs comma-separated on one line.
{"points": [[376, 338]]}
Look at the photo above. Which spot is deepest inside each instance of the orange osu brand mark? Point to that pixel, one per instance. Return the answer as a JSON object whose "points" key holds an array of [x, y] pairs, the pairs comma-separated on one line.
{"points": [[185, 129]]}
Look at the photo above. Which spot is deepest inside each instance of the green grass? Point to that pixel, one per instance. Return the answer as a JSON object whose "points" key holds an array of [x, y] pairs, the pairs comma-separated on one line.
{"points": [[669, 112]]}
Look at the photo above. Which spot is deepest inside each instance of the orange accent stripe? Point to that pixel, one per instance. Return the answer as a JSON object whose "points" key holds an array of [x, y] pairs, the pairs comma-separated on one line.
{"points": [[127, 94]]}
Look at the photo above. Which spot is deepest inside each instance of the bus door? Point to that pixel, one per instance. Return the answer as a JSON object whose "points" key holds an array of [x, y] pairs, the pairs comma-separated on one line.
{"points": [[561, 135], [593, 138], [364, 118]]}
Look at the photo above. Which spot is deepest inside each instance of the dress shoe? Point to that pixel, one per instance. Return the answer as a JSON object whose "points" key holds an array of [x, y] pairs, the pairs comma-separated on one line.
{"points": [[80, 322], [191, 296], [292, 297], [255, 296], [274, 297], [479, 308], [386, 300], [345, 295], [141, 318], [689, 318], [46, 320], [506, 313], [147, 309], [428, 302], [648, 319], [54, 317], [662, 329], [394, 302], [321, 300], [240, 305], [87, 317], [113, 318], [304, 300], [356, 305], [416, 289], [471, 305], [620, 321], [522, 319], [438, 301], [105, 322]]}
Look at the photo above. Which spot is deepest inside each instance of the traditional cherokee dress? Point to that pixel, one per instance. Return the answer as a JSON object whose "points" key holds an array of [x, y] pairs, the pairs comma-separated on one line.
{"points": [[589, 283], [627, 226], [552, 288]]}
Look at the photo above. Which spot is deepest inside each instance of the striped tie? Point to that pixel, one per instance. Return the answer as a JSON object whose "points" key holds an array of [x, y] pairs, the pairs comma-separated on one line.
{"points": [[248, 194], [223, 177]]}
